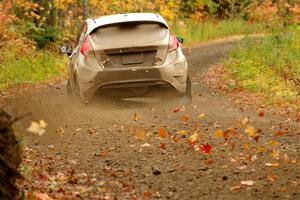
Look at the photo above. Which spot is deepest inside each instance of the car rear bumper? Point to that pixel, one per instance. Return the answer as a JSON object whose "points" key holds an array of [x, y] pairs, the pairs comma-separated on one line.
{"points": [[90, 81]]}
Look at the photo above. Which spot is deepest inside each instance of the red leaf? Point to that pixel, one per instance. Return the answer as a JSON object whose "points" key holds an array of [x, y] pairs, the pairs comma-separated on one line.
{"points": [[261, 114], [205, 148], [163, 145]]}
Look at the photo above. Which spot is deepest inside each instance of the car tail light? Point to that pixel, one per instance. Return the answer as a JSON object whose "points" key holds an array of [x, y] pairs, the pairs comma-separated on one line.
{"points": [[173, 43], [85, 46]]}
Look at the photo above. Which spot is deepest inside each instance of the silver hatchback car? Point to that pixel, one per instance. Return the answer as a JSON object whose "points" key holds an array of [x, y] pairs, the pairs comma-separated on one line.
{"points": [[130, 50]]}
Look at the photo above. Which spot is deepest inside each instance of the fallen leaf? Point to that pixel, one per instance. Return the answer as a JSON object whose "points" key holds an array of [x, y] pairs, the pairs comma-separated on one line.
{"points": [[279, 133], [262, 149], [283, 189], [163, 145], [146, 145], [42, 196], [181, 132], [272, 177], [205, 148], [162, 132], [175, 110], [185, 118], [261, 114], [286, 159], [273, 142], [275, 153], [250, 131], [174, 138], [218, 132], [37, 127], [139, 134], [235, 188], [275, 164], [147, 194], [103, 153], [201, 115], [256, 138], [245, 121], [248, 183], [209, 161], [295, 183], [193, 138], [135, 117], [246, 146], [243, 167]]}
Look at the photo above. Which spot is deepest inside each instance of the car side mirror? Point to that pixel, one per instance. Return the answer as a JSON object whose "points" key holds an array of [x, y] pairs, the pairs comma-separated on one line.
{"points": [[180, 40], [66, 49]]}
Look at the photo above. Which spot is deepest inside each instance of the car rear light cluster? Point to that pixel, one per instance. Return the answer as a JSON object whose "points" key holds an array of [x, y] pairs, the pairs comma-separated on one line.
{"points": [[85, 47], [173, 43]]}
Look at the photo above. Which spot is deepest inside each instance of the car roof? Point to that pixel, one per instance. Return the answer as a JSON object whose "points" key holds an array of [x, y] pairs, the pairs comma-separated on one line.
{"points": [[123, 18]]}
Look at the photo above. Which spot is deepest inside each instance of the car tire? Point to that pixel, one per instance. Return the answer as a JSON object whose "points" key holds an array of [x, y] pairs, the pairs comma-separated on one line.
{"points": [[186, 98]]}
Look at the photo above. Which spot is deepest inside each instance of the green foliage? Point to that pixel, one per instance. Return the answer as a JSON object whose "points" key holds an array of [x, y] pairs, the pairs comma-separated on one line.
{"points": [[200, 31], [30, 67], [270, 65]]}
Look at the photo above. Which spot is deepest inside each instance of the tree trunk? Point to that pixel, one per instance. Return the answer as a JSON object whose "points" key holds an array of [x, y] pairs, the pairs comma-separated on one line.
{"points": [[9, 158]]}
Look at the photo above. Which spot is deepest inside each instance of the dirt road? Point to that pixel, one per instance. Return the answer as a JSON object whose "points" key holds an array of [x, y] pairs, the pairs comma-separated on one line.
{"points": [[138, 150]]}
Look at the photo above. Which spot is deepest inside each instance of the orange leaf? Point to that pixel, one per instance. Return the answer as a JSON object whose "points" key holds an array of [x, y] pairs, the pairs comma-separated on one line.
{"points": [[250, 131], [246, 146], [272, 178], [275, 153], [205, 148], [185, 118], [273, 142], [279, 133], [147, 194], [218, 132], [162, 132]]}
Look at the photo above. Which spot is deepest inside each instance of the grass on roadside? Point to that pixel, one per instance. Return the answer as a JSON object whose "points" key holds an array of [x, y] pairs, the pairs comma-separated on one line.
{"points": [[202, 31], [270, 65], [28, 66]]}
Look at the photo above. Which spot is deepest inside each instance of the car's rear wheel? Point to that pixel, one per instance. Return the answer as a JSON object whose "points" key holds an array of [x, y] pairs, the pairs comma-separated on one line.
{"points": [[186, 98]]}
